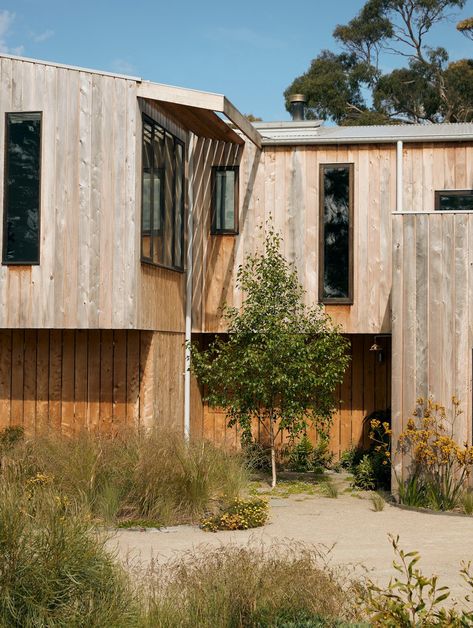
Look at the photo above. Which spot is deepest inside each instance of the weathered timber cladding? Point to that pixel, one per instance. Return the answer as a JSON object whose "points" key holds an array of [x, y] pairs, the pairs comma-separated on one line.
{"points": [[432, 315], [366, 387], [99, 380], [283, 183], [90, 275]]}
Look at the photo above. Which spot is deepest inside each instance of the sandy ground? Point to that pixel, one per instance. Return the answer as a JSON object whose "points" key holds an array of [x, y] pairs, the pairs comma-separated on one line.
{"points": [[358, 534]]}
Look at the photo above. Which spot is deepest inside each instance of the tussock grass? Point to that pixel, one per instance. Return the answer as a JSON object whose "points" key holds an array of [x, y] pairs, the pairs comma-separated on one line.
{"points": [[251, 586], [377, 502], [467, 502], [329, 489], [150, 476], [54, 569]]}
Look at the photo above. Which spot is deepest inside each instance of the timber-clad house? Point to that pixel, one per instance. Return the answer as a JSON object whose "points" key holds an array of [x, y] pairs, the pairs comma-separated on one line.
{"points": [[129, 205]]}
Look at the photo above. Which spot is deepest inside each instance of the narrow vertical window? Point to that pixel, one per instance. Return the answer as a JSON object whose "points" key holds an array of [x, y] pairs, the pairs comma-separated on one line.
{"points": [[336, 233], [225, 200], [162, 217], [22, 188]]}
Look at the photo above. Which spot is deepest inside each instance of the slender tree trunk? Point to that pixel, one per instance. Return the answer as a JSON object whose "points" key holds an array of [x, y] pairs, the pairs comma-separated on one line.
{"points": [[273, 452]]}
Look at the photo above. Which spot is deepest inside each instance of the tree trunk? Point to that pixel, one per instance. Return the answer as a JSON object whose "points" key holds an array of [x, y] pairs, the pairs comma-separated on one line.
{"points": [[273, 452]]}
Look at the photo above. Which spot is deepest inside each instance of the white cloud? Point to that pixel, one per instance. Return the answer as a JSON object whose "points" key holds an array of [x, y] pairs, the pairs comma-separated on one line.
{"points": [[40, 37], [6, 20]]}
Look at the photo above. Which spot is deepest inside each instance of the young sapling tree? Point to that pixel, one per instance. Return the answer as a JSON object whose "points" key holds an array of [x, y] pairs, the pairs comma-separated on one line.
{"points": [[282, 359]]}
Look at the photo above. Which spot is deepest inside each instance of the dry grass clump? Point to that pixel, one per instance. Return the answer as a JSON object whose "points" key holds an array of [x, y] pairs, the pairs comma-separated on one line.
{"points": [[251, 586], [146, 476], [54, 570]]}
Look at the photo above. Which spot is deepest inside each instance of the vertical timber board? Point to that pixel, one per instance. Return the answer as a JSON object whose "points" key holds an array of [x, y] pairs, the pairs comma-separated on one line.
{"points": [[119, 378], [17, 386], [55, 379], [133, 379], [80, 380], [42, 381], [93, 379], [106, 382], [5, 377], [68, 372], [30, 381]]}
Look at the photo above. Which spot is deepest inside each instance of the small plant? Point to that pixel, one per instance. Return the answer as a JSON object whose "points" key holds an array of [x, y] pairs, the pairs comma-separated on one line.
{"points": [[329, 489], [300, 455], [412, 492], [10, 436], [241, 514], [414, 599], [363, 474], [349, 459], [377, 502], [441, 464]]}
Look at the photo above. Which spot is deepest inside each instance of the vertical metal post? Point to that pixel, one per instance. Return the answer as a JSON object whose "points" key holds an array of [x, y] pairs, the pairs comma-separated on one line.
{"points": [[399, 176], [189, 272]]}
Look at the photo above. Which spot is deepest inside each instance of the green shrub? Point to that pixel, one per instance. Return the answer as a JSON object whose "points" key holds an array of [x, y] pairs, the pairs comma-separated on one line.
{"points": [[302, 456], [412, 492], [54, 569], [364, 474], [241, 514], [349, 459], [413, 599], [254, 586]]}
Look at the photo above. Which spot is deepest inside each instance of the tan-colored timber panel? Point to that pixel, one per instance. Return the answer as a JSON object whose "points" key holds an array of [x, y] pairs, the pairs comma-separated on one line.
{"points": [[283, 183], [432, 316], [99, 380], [90, 275], [366, 388]]}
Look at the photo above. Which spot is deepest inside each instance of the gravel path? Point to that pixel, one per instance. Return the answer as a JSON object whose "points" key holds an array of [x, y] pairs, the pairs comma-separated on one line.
{"points": [[359, 536]]}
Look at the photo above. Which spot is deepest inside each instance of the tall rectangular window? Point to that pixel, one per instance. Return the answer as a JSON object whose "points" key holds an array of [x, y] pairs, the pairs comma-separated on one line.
{"points": [[22, 188], [336, 233], [225, 200], [162, 217]]}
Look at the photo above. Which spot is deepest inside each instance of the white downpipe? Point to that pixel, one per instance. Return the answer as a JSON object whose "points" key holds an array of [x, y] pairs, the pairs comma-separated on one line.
{"points": [[399, 176], [188, 335]]}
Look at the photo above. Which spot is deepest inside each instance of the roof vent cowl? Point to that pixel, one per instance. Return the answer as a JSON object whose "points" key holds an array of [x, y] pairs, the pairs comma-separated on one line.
{"points": [[298, 103]]}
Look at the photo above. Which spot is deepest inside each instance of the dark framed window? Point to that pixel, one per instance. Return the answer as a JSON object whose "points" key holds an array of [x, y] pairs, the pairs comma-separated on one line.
{"points": [[162, 200], [22, 188], [454, 200], [224, 200], [336, 233]]}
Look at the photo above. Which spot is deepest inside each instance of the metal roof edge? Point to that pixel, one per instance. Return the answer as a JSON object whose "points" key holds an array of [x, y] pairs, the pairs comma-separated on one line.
{"points": [[4, 55], [373, 140]]}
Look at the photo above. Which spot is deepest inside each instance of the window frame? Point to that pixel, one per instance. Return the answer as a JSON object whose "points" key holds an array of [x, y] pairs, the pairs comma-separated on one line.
{"points": [[37, 261], [348, 300], [439, 193], [236, 196], [149, 260]]}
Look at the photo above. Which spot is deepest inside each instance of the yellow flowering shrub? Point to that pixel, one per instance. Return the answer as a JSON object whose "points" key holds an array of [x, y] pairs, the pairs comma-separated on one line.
{"points": [[241, 514], [438, 460]]}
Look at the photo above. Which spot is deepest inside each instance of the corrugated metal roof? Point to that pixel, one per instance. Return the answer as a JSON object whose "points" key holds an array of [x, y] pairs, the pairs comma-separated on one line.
{"points": [[314, 132]]}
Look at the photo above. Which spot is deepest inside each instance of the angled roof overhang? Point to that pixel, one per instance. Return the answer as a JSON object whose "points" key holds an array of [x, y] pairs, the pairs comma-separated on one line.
{"points": [[197, 111]]}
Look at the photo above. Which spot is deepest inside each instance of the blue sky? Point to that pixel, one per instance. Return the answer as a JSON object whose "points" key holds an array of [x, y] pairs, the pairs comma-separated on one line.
{"points": [[250, 51]]}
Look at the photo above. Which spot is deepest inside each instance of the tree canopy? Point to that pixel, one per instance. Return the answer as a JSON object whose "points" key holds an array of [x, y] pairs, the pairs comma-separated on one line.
{"points": [[350, 87], [282, 359]]}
